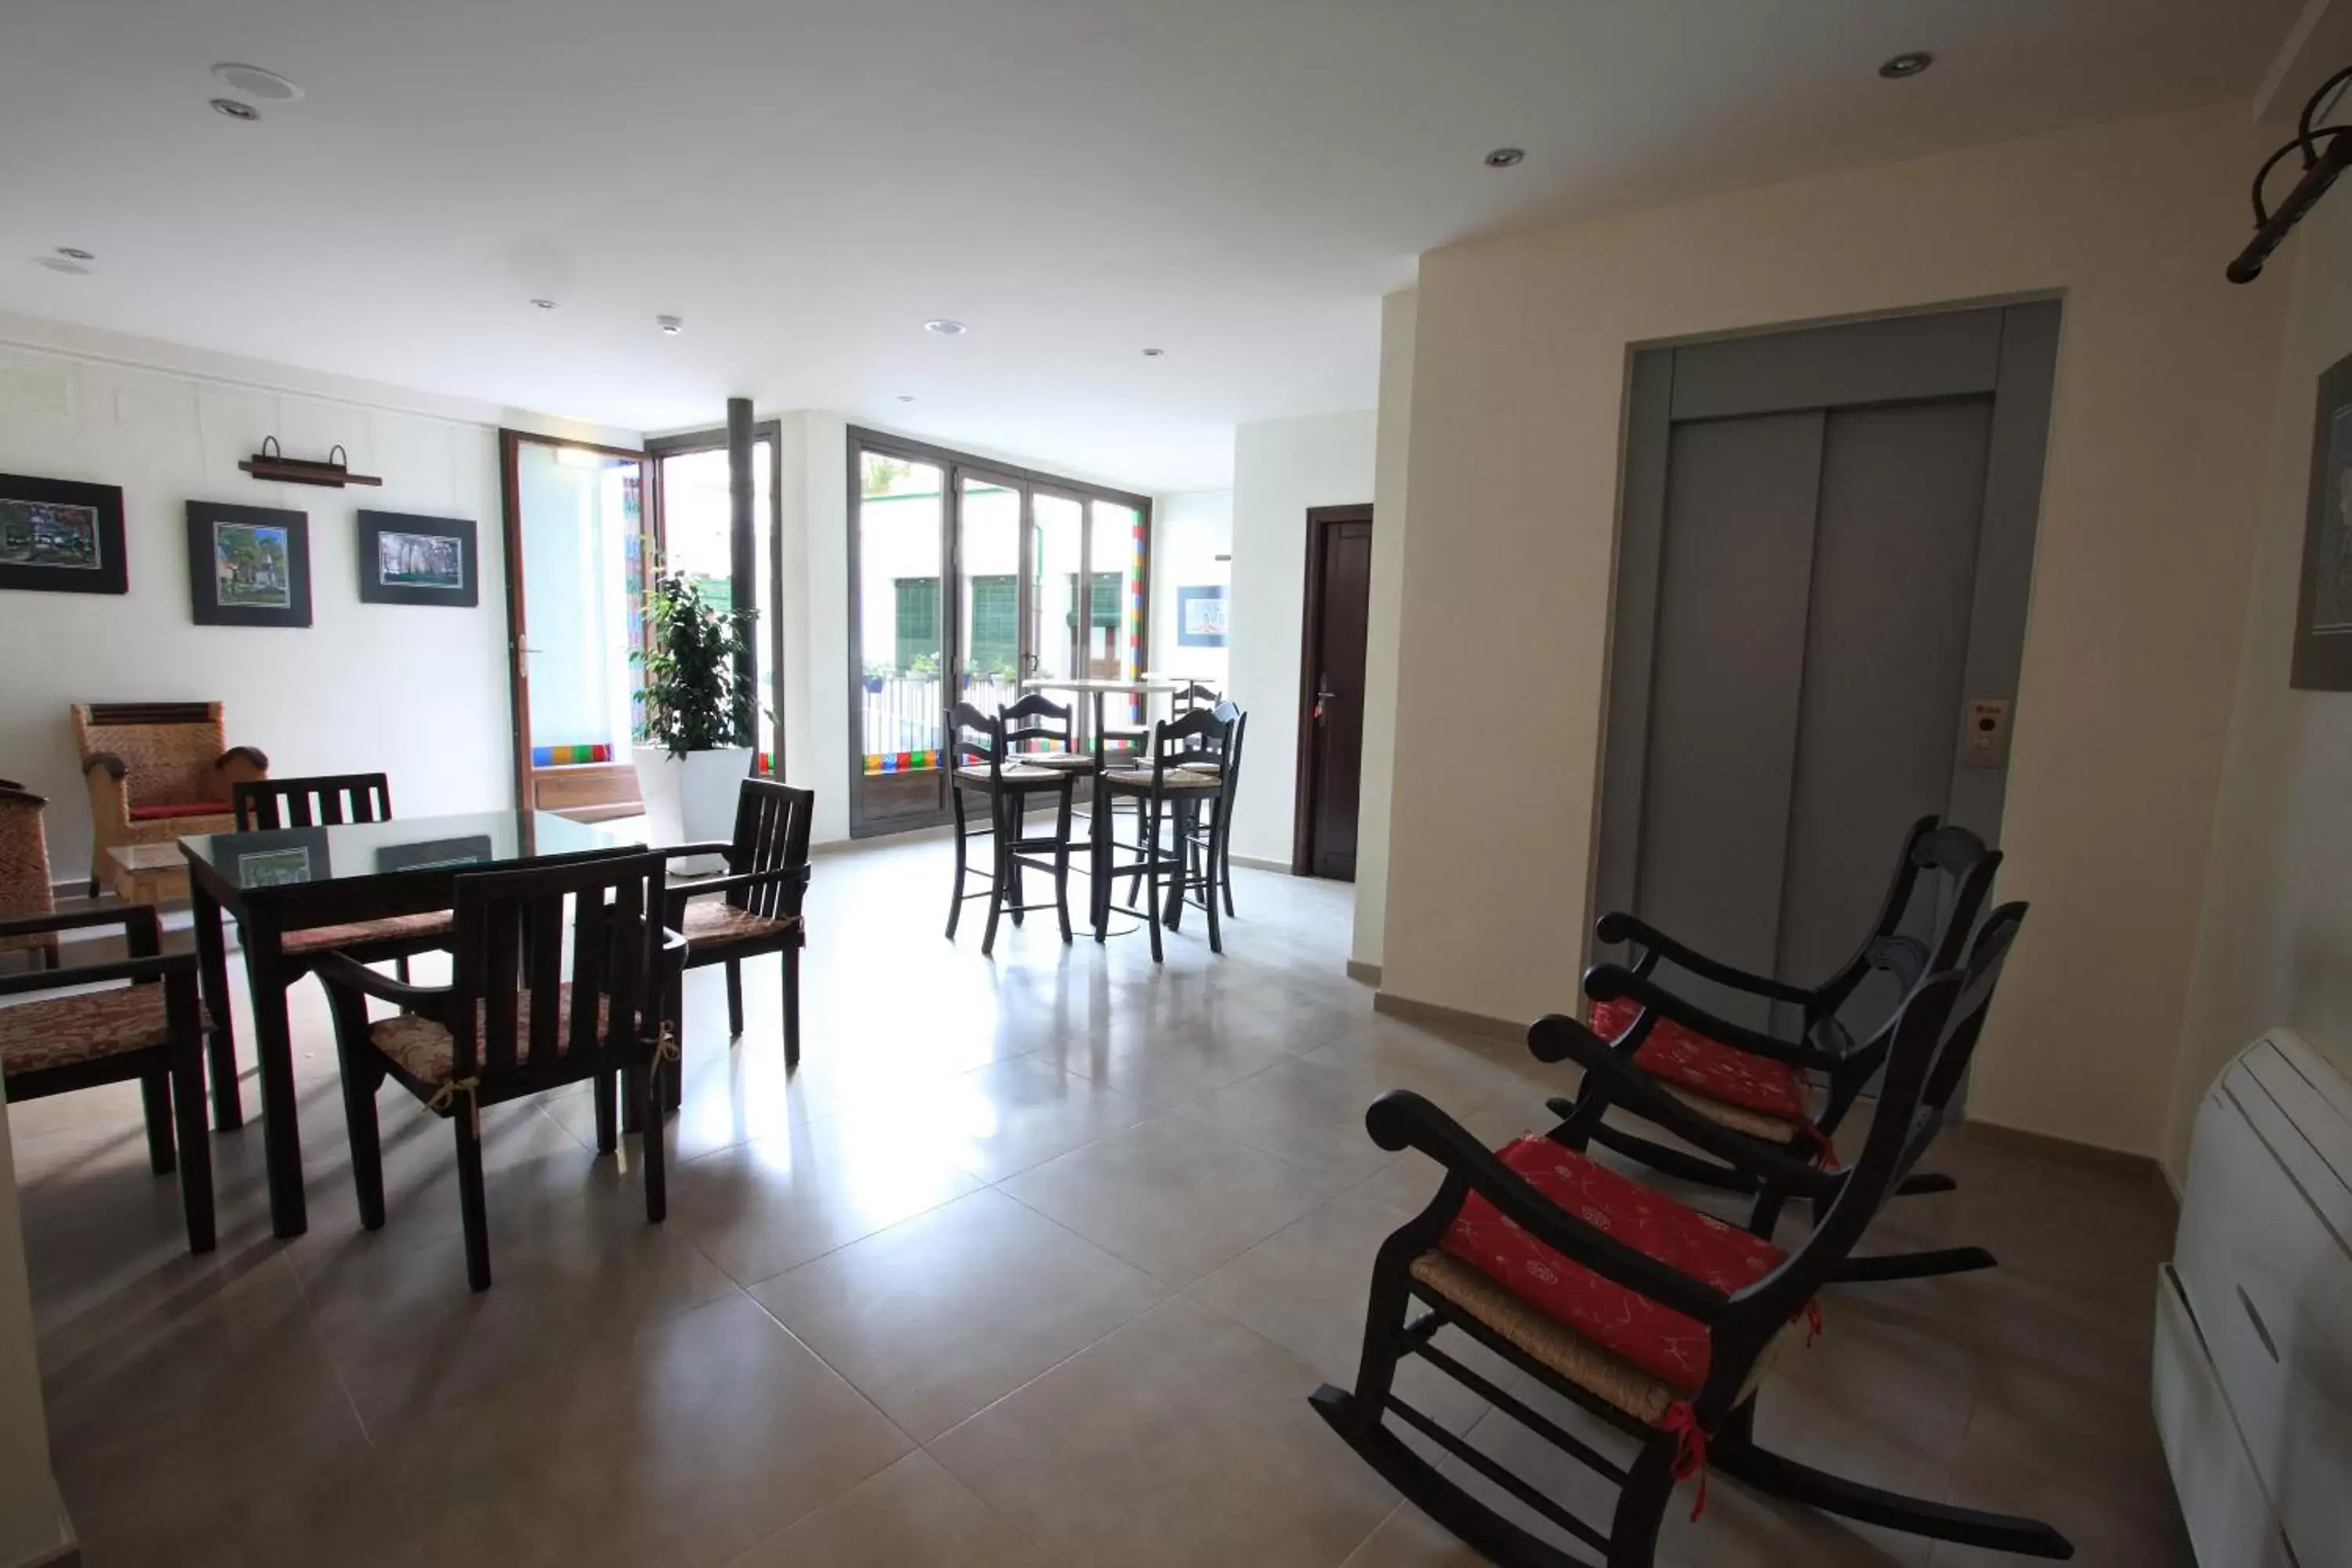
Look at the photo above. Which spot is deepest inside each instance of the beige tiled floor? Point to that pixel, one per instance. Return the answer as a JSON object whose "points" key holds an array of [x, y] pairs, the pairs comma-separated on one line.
{"points": [[1034, 1262]]}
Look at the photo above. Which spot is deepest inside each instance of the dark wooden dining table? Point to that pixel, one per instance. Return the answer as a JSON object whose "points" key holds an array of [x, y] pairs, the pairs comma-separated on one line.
{"points": [[286, 880]]}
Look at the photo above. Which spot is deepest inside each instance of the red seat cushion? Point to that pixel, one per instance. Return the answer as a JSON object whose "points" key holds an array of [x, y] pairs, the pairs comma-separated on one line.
{"points": [[1661, 1341], [165, 813], [1685, 1057]]}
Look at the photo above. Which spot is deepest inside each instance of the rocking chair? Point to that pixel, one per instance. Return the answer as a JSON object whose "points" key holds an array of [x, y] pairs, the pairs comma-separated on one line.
{"points": [[1750, 1081], [1659, 1320]]}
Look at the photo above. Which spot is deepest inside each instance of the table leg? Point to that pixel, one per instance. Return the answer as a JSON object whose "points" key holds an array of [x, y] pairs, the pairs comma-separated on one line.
{"points": [[212, 977], [267, 978]]}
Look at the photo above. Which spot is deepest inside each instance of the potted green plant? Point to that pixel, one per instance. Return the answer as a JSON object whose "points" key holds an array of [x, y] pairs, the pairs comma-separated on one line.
{"points": [[695, 736]]}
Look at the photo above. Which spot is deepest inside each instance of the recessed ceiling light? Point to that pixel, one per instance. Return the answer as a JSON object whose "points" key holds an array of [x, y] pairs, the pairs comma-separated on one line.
{"points": [[75, 253], [257, 82], [1153, 353], [905, 397], [1910, 62], [544, 304], [1505, 157], [945, 326], [235, 109], [62, 264], [670, 325]]}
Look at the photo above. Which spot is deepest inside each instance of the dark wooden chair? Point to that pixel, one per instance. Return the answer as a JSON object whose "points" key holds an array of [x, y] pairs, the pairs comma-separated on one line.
{"points": [[1753, 1081], [1661, 1321], [1194, 694], [1169, 793], [330, 800], [755, 908], [980, 749], [1212, 839], [151, 1029], [511, 1024]]}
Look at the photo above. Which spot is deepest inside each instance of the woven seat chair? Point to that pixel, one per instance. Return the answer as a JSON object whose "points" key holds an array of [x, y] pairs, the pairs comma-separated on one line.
{"points": [[26, 892], [1170, 790], [150, 1030], [1660, 1321], [157, 771], [986, 751], [1754, 1081], [755, 907], [328, 801]]}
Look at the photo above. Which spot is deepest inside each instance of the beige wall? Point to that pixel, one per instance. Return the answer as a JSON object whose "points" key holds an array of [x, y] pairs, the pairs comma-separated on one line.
{"points": [[1281, 466], [1392, 443], [2163, 396], [2275, 944]]}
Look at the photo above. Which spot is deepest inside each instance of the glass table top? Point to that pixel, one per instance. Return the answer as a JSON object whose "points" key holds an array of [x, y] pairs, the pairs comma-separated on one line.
{"points": [[284, 857]]}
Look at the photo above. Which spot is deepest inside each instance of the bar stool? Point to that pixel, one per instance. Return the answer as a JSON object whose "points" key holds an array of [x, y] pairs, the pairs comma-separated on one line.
{"points": [[978, 746], [1214, 840], [1170, 789]]}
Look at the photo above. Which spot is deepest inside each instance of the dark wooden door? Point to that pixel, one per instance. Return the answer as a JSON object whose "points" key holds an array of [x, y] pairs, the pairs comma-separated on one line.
{"points": [[1331, 716]]}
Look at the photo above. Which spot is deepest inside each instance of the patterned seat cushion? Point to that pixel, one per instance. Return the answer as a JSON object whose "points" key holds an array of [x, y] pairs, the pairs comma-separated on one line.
{"points": [[1174, 778], [399, 928], [1713, 1074], [1060, 762], [1669, 1350], [714, 922], [420, 1047], [166, 811], [62, 1030]]}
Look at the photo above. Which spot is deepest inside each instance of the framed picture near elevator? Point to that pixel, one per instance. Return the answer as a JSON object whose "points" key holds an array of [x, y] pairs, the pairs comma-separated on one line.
{"points": [[409, 560], [2323, 627], [248, 566], [60, 537]]}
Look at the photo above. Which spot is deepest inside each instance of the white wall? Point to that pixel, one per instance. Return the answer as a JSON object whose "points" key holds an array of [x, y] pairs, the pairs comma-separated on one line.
{"points": [[2274, 943], [1192, 546], [1281, 466], [418, 692], [2166, 380], [1383, 646]]}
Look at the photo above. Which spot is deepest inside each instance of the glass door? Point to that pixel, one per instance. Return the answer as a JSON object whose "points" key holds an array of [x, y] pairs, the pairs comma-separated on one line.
{"points": [[899, 551], [1056, 639], [694, 521], [991, 630], [576, 550]]}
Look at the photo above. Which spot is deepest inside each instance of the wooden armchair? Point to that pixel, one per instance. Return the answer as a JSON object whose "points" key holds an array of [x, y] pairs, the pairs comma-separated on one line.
{"points": [[1658, 1321], [25, 890], [518, 1019], [757, 907], [156, 770], [145, 1030]]}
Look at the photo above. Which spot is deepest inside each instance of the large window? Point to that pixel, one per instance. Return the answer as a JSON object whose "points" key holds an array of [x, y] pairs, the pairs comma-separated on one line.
{"points": [[975, 582]]}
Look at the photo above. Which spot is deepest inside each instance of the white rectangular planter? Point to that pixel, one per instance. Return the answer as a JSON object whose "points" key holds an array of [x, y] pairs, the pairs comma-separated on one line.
{"points": [[691, 799]]}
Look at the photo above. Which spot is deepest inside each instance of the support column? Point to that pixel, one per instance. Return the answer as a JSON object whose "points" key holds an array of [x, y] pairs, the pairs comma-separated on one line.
{"points": [[744, 561]]}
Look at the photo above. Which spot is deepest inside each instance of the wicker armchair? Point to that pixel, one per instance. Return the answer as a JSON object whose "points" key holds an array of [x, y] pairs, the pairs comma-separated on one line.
{"points": [[155, 771], [25, 890]]}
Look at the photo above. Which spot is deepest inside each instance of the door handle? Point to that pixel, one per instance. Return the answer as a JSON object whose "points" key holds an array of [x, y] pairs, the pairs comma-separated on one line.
{"points": [[1323, 700]]}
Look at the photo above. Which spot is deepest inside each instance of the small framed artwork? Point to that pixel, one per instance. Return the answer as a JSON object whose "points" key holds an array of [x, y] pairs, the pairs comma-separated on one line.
{"points": [[1201, 616], [248, 566], [277, 857], [406, 560], [59, 537], [2322, 630]]}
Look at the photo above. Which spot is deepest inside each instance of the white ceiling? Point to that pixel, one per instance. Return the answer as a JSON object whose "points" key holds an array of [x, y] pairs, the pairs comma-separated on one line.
{"points": [[806, 181]]}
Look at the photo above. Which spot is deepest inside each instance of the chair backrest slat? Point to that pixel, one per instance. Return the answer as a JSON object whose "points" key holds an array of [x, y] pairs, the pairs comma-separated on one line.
{"points": [[1036, 718], [510, 945], [1198, 735], [326, 800], [1931, 844], [772, 831]]}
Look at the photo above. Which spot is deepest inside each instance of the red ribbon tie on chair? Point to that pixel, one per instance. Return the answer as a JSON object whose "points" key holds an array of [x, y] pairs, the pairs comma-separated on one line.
{"points": [[1812, 1323], [1690, 1450]]}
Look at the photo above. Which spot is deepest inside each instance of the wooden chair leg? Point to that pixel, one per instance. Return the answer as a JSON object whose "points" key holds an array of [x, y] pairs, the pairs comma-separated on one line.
{"points": [[1208, 854], [997, 879], [196, 1144], [955, 894], [155, 1093], [400, 969], [1224, 853], [472, 1204], [607, 1115], [1151, 879], [1016, 827], [1062, 859], [650, 1152], [220, 1051], [1642, 1506], [792, 958], [734, 999]]}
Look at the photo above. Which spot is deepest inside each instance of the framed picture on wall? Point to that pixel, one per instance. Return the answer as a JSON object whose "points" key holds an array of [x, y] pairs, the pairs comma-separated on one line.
{"points": [[1201, 616], [2323, 629], [248, 566], [60, 537], [409, 560]]}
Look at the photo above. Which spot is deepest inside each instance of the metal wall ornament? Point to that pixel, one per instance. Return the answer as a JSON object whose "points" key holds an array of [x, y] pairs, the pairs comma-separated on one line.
{"points": [[272, 464], [2326, 151]]}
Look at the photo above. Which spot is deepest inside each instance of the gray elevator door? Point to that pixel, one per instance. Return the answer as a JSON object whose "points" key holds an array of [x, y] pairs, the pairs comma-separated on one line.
{"points": [[1807, 602]]}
